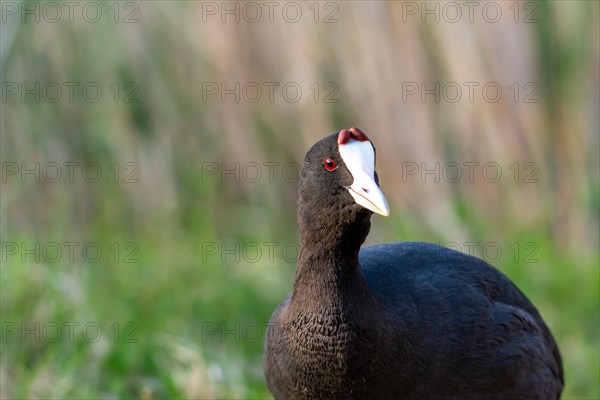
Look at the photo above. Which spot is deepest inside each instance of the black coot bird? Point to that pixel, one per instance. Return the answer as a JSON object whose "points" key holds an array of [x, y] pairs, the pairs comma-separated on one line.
{"points": [[395, 321]]}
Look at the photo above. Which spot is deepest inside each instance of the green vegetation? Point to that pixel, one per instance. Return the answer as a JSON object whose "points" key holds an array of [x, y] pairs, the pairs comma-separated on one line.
{"points": [[194, 208]]}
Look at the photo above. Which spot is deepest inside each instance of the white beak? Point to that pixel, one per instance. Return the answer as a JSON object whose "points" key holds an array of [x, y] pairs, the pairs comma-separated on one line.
{"points": [[359, 158]]}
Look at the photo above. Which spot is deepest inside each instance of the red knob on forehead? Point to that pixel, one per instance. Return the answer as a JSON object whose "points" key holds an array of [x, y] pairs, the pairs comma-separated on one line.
{"points": [[353, 133]]}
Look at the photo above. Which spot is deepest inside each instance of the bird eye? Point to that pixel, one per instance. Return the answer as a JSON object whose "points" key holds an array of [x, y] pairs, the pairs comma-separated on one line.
{"points": [[329, 164]]}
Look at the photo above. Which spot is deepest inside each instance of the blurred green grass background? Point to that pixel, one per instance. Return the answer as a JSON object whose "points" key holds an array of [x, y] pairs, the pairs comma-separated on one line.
{"points": [[181, 309]]}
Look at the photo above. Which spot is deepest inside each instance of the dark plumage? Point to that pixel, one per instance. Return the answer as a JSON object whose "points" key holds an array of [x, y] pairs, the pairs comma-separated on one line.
{"points": [[401, 320]]}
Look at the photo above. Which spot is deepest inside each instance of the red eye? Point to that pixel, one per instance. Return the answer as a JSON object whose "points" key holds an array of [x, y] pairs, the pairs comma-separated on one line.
{"points": [[329, 164]]}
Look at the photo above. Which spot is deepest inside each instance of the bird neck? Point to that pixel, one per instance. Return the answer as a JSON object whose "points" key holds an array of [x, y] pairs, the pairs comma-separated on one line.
{"points": [[328, 270]]}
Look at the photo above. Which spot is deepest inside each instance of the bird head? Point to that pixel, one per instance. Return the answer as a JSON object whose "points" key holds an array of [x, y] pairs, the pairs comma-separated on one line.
{"points": [[339, 170]]}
